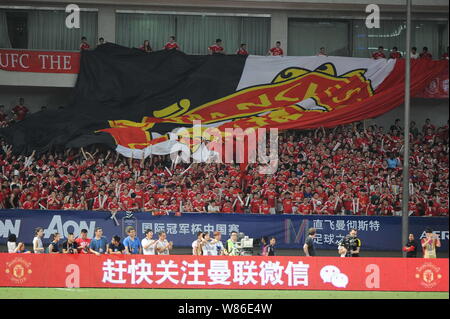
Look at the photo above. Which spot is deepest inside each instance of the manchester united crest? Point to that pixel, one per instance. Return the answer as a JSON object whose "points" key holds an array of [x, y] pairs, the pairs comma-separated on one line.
{"points": [[429, 275], [18, 270]]}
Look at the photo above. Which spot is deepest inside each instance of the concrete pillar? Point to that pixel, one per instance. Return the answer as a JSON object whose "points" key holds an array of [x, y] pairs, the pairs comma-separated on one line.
{"points": [[107, 23], [279, 30]]}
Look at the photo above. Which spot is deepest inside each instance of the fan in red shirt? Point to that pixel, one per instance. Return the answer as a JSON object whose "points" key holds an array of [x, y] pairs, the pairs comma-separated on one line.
{"points": [[305, 208], [28, 203], [242, 50], [395, 54], [83, 242], [84, 45], [20, 110], [425, 54], [171, 45], [379, 54], [255, 202], [264, 208], [198, 204], [287, 204], [277, 50], [216, 48], [2, 113]]}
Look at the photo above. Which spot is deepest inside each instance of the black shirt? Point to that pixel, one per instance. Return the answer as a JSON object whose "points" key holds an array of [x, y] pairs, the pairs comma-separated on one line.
{"points": [[310, 243], [117, 248], [412, 253], [55, 247], [270, 250], [68, 247]]}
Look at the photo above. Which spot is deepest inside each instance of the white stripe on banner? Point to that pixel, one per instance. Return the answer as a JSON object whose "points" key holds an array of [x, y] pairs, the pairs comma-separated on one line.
{"points": [[262, 69]]}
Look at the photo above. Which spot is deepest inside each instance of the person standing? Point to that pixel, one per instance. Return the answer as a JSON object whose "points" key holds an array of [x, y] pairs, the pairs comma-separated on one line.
{"points": [[395, 54], [379, 54], [53, 248], [308, 247], [322, 52], [196, 245], [148, 243], [351, 243], [429, 244], [276, 50], [84, 44], [83, 242], [271, 247], [218, 245], [414, 54], [411, 247], [216, 48], [38, 247], [242, 50], [116, 247], [70, 246], [171, 45], [163, 246], [20, 110], [425, 54], [98, 243], [132, 243], [231, 249]]}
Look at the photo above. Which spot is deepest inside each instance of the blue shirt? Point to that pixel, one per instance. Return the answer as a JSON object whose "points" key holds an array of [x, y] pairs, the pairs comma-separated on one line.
{"points": [[99, 245], [392, 162], [133, 245]]}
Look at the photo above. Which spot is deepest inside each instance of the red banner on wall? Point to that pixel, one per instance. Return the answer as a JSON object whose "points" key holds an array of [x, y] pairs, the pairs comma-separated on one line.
{"points": [[437, 87], [40, 61], [138, 271]]}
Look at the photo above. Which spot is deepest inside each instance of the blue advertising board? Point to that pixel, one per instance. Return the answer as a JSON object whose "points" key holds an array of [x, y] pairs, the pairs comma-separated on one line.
{"points": [[375, 232]]}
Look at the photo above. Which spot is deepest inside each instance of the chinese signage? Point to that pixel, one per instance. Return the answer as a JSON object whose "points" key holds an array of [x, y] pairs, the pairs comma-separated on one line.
{"points": [[240, 272]]}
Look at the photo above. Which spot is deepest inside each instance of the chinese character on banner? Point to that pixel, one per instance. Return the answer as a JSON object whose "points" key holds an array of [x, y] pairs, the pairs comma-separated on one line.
{"points": [[167, 273], [271, 272], [219, 272], [222, 228], [318, 224], [184, 229], [195, 273], [208, 228], [141, 270], [110, 272], [340, 224], [195, 228], [363, 225], [331, 223], [297, 274], [159, 227], [232, 228], [245, 272], [171, 229], [328, 239], [318, 239], [146, 226], [352, 224], [374, 225]]}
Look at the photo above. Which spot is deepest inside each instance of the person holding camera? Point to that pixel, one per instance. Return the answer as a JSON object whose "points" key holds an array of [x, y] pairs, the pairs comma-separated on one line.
{"points": [[350, 245], [271, 247], [429, 244], [115, 247], [70, 246], [231, 248]]}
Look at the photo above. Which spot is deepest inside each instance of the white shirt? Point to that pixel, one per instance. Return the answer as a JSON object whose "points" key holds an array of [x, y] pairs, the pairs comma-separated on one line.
{"points": [[209, 249], [414, 56], [162, 244], [11, 246], [194, 247], [218, 247], [39, 245], [150, 250]]}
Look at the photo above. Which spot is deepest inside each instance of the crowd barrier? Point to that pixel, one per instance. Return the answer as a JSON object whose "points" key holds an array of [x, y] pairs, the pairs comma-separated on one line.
{"points": [[222, 272], [375, 232]]}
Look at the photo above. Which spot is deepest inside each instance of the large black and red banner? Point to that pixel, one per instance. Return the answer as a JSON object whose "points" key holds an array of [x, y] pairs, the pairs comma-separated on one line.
{"points": [[221, 272], [136, 102]]}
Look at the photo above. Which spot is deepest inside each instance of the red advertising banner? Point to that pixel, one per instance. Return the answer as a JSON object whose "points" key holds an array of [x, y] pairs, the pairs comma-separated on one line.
{"points": [[222, 272], [437, 88], [40, 61]]}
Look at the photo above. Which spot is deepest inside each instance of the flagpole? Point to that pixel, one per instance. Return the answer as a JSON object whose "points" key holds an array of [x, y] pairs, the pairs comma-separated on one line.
{"points": [[405, 200]]}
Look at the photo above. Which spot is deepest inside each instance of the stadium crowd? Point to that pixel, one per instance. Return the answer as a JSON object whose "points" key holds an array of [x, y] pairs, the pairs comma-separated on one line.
{"points": [[352, 169]]}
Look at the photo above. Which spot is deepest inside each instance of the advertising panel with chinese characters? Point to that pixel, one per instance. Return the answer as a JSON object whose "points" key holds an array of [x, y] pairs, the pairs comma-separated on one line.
{"points": [[314, 273]]}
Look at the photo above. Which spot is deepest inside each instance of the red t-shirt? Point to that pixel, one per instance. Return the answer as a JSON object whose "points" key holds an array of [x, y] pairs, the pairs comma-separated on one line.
{"points": [[171, 45], [395, 55], [304, 209], [287, 206], [378, 55], [426, 55], [215, 48], [84, 46], [82, 244], [242, 52], [276, 51], [21, 111], [265, 209]]}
